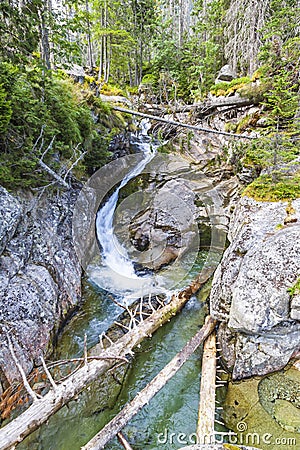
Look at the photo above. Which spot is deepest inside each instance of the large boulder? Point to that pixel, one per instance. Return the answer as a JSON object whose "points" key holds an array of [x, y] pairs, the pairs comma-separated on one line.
{"points": [[180, 209], [226, 74], [250, 288]]}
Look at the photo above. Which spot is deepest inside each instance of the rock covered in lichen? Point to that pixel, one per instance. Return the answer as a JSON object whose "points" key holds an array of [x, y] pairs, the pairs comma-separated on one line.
{"points": [[10, 212], [250, 287], [40, 276]]}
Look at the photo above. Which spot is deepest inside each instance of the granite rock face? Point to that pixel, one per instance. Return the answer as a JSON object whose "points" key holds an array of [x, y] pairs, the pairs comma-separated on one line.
{"points": [[40, 277], [181, 209], [250, 288], [10, 213]]}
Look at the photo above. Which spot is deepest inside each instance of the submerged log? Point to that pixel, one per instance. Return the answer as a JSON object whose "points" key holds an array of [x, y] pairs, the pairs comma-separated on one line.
{"points": [[145, 395], [42, 409]]}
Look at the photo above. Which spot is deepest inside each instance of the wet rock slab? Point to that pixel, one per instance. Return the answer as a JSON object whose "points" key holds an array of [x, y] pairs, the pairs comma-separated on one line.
{"points": [[266, 410]]}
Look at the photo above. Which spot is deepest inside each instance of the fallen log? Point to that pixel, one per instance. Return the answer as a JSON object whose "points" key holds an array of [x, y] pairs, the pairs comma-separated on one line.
{"points": [[206, 417], [145, 395], [181, 124], [42, 409]]}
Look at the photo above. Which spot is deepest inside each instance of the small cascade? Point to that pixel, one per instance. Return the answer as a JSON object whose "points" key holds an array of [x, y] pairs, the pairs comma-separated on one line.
{"points": [[116, 265]]}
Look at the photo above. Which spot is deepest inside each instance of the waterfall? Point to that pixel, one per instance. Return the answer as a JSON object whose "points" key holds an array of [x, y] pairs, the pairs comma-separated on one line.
{"points": [[114, 254]]}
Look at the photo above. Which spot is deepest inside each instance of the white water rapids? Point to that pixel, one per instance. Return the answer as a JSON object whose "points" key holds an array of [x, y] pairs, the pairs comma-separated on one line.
{"points": [[114, 255], [116, 272]]}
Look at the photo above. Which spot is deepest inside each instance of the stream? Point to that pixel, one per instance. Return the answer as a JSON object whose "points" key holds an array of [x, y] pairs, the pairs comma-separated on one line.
{"points": [[173, 411]]}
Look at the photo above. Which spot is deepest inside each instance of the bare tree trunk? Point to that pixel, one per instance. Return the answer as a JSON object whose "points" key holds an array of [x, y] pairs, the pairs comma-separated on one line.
{"points": [[105, 44], [44, 36], [130, 72], [89, 38], [180, 124], [181, 24], [145, 395], [101, 63], [107, 70]]}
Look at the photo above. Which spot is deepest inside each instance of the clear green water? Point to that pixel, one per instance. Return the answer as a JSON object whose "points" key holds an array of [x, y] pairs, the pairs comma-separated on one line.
{"points": [[174, 409]]}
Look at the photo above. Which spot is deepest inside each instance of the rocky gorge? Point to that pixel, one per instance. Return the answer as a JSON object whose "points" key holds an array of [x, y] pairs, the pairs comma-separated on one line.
{"points": [[259, 318]]}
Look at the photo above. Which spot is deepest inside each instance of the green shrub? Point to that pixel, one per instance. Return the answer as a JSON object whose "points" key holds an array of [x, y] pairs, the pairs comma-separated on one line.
{"points": [[38, 108], [274, 187], [5, 110]]}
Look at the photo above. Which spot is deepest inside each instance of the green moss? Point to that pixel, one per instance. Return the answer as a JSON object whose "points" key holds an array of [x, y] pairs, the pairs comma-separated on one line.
{"points": [[231, 127], [111, 89], [227, 88], [280, 188], [231, 447], [246, 122], [279, 226], [295, 290], [132, 90], [149, 78]]}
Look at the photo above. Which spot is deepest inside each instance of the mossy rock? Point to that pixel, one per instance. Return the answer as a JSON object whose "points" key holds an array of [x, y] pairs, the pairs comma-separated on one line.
{"points": [[260, 408]]}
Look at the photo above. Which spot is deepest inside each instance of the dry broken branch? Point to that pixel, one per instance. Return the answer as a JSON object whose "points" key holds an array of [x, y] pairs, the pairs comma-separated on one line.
{"points": [[47, 372], [20, 369], [53, 174], [123, 441]]}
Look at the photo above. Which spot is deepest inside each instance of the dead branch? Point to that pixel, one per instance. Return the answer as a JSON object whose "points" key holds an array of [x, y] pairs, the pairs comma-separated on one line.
{"points": [[53, 174], [74, 164], [39, 138], [145, 395], [20, 369], [40, 411], [48, 148], [47, 372], [123, 441], [181, 124], [85, 350], [203, 108]]}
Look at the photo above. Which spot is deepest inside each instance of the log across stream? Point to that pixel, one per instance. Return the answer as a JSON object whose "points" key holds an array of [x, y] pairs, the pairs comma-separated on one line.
{"points": [[173, 410]]}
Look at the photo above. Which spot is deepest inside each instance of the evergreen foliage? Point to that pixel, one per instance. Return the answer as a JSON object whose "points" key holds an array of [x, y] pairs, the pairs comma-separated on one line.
{"points": [[175, 49], [41, 110]]}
